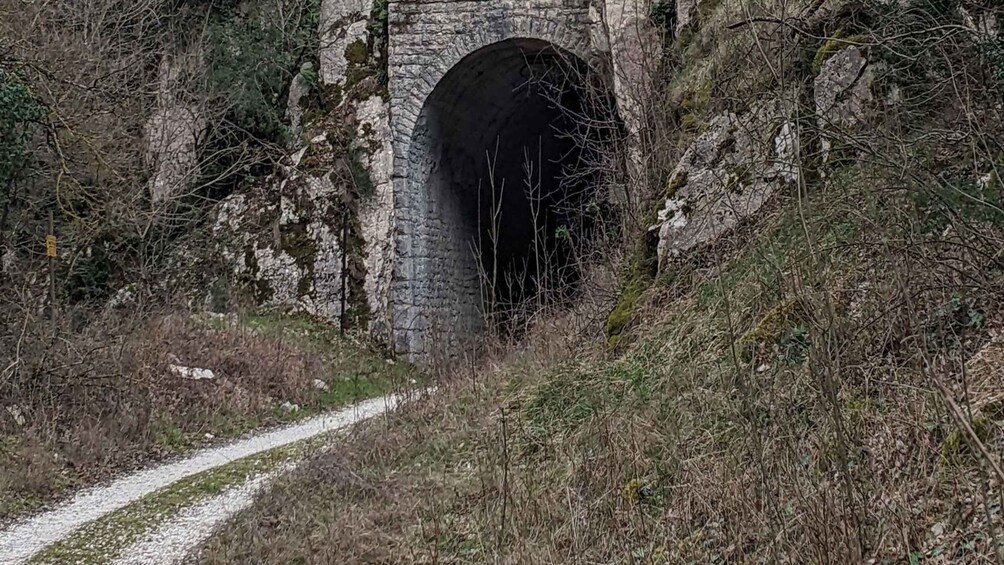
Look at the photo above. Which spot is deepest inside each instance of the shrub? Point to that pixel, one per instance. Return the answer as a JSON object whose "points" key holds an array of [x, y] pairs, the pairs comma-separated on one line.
{"points": [[20, 112], [251, 60], [960, 198]]}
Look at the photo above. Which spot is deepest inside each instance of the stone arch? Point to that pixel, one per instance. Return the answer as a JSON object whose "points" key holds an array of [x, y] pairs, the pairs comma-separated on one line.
{"points": [[415, 90], [434, 293]]}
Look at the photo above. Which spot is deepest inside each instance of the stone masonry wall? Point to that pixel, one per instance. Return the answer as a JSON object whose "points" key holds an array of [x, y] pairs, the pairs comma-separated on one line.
{"points": [[428, 38]]}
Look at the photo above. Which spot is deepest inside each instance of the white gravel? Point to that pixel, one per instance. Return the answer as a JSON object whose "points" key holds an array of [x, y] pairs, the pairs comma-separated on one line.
{"points": [[24, 539], [173, 540]]}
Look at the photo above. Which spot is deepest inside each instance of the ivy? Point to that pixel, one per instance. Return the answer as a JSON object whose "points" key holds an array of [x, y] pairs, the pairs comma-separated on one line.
{"points": [[252, 57], [664, 16], [993, 52], [20, 111]]}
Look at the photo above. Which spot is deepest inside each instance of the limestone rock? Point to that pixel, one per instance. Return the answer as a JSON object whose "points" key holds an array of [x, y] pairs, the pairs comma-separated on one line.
{"points": [[725, 176], [343, 22], [124, 297], [284, 241], [298, 90], [843, 95], [174, 134], [321, 385], [633, 43], [685, 12], [192, 373], [373, 140], [175, 130]]}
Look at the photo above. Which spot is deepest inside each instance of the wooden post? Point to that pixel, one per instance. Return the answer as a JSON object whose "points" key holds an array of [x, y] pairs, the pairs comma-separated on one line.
{"points": [[50, 252], [343, 319]]}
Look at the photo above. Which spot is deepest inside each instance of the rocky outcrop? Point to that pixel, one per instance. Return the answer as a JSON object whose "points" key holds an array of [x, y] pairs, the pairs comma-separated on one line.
{"points": [[686, 13], [316, 235], [285, 244], [633, 43], [175, 130], [843, 96], [373, 142], [726, 176], [343, 25]]}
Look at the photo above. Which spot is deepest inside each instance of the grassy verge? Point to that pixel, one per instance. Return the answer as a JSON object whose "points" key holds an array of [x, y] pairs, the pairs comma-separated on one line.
{"points": [[103, 540], [269, 369], [776, 405]]}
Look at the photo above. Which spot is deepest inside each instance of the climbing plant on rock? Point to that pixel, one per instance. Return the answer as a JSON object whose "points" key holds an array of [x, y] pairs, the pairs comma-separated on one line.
{"points": [[20, 112]]}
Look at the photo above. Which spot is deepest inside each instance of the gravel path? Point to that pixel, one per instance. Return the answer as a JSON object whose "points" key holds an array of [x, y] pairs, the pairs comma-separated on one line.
{"points": [[171, 542], [24, 539]]}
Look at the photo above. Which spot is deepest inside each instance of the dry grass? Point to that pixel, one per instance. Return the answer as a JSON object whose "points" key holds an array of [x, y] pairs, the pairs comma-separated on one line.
{"points": [[686, 448], [822, 386], [115, 407]]}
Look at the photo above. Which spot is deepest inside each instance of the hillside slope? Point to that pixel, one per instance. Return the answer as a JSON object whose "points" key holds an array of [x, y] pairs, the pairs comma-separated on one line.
{"points": [[820, 383]]}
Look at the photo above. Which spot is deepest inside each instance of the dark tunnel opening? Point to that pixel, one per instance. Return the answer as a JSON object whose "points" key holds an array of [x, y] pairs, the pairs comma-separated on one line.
{"points": [[507, 148]]}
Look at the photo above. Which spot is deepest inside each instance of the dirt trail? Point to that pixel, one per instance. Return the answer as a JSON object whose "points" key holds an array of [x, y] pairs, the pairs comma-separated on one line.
{"points": [[24, 539]]}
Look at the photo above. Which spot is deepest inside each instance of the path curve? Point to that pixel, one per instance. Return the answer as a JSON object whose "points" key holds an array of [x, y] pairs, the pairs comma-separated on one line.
{"points": [[173, 540], [22, 540]]}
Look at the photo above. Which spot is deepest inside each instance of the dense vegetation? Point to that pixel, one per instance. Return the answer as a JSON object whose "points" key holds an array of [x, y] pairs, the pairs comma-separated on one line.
{"points": [[86, 385], [822, 384]]}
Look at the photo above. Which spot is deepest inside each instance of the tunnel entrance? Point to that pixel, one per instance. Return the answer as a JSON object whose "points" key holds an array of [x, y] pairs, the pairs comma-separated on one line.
{"points": [[504, 167]]}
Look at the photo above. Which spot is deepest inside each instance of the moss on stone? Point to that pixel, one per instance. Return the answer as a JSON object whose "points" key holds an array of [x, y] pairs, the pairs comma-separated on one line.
{"points": [[297, 243], [676, 182], [833, 45], [738, 176], [770, 328], [622, 313], [260, 290], [639, 277], [356, 53], [357, 313], [689, 122]]}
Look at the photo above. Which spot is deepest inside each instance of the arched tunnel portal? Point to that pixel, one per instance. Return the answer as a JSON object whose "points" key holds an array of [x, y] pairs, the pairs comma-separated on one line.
{"points": [[500, 190]]}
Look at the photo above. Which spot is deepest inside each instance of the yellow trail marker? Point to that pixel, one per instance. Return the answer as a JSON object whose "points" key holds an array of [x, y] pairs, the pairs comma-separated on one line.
{"points": [[50, 246]]}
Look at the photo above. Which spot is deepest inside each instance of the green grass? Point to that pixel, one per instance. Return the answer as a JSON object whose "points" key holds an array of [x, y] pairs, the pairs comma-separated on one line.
{"points": [[355, 369], [104, 539]]}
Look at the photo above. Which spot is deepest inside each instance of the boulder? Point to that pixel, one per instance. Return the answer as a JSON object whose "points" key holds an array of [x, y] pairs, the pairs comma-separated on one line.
{"points": [[192, 373], [727, 174]]}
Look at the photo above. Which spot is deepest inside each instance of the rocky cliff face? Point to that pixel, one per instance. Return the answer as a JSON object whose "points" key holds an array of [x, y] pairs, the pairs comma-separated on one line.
{"points": [[738, 161], [314, 236], [324, 221]]}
